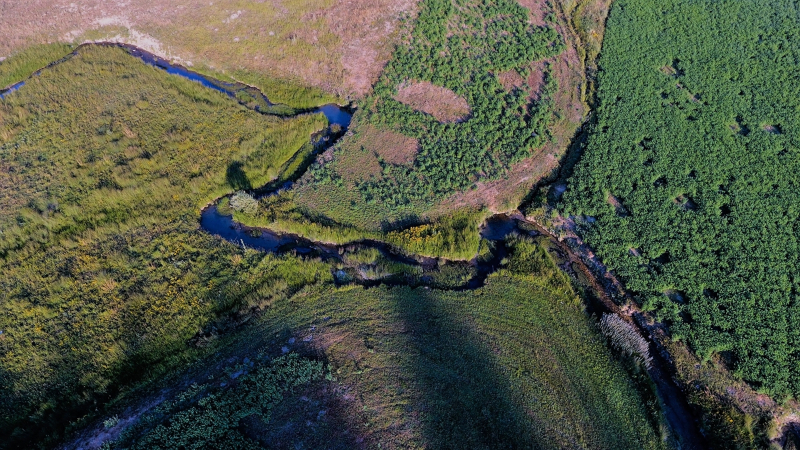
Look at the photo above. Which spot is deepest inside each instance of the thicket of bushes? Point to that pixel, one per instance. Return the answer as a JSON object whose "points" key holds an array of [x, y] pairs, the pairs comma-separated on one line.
{"points": [[691, 173], [208, 415]]}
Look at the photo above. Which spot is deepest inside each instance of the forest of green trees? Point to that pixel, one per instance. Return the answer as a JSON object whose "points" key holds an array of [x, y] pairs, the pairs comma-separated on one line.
{"points": [[692, 173]]}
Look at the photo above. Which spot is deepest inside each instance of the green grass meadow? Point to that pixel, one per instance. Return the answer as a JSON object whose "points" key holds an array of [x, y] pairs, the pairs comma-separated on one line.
{"points": [[515, 364], [104, 273]]}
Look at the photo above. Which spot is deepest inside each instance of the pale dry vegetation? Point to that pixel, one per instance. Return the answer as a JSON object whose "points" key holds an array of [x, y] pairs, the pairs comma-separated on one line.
{"points": [[442, 103], [396, 148], [317, 43]]}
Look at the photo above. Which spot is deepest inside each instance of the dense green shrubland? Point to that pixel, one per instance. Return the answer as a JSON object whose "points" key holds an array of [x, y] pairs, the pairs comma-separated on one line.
{"points": [[455, 236], [104, 274], [463, 46], [697, 141], [207, 416]]}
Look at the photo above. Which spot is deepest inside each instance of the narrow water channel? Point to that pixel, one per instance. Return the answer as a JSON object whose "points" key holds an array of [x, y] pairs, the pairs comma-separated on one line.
{"points": [[10, 89], [496, 230]]}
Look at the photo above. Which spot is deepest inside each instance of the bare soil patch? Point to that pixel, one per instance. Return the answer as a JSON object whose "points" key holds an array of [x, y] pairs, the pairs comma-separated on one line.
{"points": [[319, 43], [504, 195], [362, 154], [442, 103], [537, 11], [388, 145], [617, 204], [361, 164], [536, 80], [368, 37], [510, 80]]}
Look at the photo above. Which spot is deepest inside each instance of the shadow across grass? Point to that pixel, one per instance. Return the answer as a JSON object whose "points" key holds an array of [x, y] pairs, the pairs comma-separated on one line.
{"points": [[237, 178], [463, 397]]}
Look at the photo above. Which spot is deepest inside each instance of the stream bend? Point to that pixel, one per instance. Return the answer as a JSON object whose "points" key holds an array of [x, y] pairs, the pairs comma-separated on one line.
{"points": [[496, 229]]}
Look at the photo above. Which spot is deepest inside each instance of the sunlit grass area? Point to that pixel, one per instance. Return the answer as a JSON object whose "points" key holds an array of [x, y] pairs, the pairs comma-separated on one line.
{"points": [[106, 163]]}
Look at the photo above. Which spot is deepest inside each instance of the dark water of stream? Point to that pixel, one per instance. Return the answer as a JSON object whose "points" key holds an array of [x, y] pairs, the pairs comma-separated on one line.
{"points": [[174, 69], [496, 229], [335, 114], [10, 89], [218, 224]]}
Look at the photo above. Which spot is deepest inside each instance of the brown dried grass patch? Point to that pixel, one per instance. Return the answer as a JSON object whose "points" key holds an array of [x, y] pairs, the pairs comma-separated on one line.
{"points": [[536, 79], [510, 80], [357, 164], [617, 204], [442, 103], [537, 11], [390, 146], [504, 195], [318, 43]]}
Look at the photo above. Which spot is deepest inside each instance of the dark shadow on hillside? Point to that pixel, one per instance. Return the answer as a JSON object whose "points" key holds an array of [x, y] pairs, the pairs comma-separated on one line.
{"points": [[236, 178], [464, 402]]}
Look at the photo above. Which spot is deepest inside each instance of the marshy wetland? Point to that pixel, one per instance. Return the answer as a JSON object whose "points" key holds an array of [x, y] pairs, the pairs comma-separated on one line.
{"points": [[127, 243], [204, 254]]}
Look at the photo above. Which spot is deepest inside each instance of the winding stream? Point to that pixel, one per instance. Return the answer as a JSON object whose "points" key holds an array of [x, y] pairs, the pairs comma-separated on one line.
{"points": [[496, 229], [10, 89]]}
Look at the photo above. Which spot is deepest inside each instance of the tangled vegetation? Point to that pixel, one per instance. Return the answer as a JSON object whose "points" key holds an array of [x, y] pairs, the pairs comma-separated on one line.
{"points": [[691, 175], [463, 46], [106, 163], [204, 417]]}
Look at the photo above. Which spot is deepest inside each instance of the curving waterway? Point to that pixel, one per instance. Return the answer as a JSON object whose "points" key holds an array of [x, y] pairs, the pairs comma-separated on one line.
{"points": [[496, 230]]}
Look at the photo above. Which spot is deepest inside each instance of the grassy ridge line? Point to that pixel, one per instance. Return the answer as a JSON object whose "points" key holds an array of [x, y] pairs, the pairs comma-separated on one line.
{"points": [[287, 96], [20, 66], [104, 274]]}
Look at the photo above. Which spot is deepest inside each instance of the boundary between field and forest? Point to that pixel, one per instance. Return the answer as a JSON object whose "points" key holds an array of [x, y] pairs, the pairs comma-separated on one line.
{"points": [[685, 431]]}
